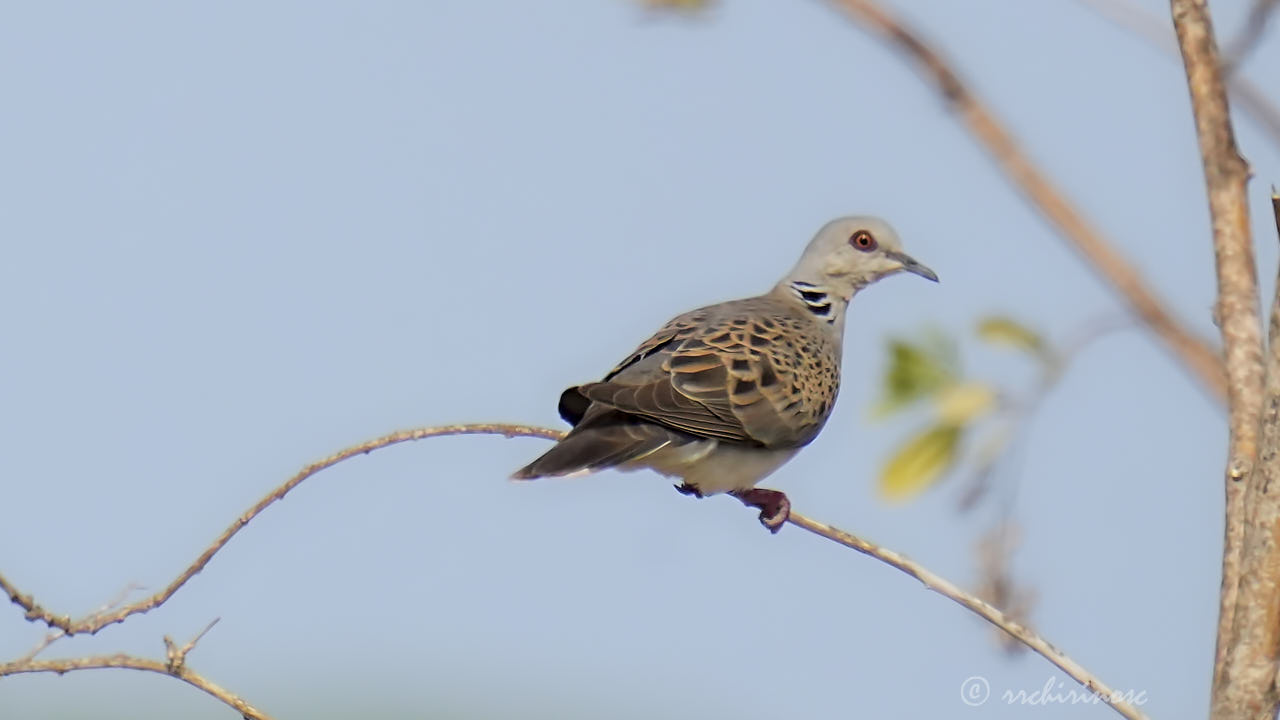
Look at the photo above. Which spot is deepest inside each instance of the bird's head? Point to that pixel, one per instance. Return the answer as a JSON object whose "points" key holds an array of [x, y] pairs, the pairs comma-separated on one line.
{"points": [[850, 253]]}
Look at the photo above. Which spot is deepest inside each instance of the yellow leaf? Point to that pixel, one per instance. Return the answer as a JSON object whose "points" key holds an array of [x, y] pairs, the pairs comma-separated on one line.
{"points": [[1001, 330], [961, 403], [919, 463]]}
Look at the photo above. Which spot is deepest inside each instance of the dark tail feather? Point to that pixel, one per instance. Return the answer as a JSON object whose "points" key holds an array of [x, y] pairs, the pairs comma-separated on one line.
{"points": [[595, 448]]}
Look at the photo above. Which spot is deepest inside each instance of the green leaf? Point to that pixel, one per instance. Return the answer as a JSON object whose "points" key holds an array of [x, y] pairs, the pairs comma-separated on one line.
{"points": [[915, 371], [1002, 330], [917, 465]]}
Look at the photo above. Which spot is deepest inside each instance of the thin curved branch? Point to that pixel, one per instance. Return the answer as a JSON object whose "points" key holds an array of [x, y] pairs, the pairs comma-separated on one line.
{"points": [[94, 623], [1197, 355], [932, 581], [130, 662]]}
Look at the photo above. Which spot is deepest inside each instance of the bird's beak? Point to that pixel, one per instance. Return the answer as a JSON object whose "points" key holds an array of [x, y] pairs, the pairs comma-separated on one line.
{"points": [[912, 265]]}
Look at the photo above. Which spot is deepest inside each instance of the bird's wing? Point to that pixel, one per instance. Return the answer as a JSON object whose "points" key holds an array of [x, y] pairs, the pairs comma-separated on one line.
{"points": [[741, 374]]}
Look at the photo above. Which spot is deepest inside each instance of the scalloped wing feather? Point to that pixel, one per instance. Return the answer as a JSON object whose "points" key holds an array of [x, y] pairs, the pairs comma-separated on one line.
{"points": [[754, 371]]}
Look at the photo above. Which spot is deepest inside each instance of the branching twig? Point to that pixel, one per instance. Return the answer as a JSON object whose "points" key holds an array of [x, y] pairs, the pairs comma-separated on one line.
{"points": [[34, 612], [1226, 175], [176, 657], [56, 634], [1195, 353]]}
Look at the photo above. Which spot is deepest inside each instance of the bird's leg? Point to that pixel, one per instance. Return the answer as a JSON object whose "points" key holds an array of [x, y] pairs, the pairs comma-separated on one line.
{"points": [[687, 489], [774, 506]]}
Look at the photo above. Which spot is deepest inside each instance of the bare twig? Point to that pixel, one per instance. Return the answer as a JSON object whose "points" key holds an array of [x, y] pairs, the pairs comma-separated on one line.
{"points": [[34, 612], [94, 623], [1196, 354], [130, 662], [1226, 175], [1253, 102]]}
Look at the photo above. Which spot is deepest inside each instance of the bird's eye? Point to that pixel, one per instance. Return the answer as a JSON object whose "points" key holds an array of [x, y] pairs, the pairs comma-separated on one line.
{"points": [[863, 241]]}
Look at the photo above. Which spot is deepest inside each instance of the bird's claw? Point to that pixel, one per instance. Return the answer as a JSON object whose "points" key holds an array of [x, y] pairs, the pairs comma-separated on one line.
{"points": [[687, 489], [774, 506]]}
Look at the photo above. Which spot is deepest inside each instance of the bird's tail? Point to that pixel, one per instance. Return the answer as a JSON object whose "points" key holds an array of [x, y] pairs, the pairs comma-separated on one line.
{"points": [[596, 447]]}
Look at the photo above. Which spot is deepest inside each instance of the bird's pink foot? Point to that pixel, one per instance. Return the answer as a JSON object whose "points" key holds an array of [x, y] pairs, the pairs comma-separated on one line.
{"points": [[687, 489], [774, 506]]}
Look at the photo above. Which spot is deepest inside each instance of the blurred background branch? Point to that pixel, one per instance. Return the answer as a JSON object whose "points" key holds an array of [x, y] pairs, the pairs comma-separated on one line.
{"points": [[1255, 27], [1196, 354], [980, 426], [1156, 31]]}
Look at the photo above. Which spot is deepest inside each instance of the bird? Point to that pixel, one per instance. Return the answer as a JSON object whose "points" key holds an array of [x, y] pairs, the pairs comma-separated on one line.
{"points": [[722, 396]]}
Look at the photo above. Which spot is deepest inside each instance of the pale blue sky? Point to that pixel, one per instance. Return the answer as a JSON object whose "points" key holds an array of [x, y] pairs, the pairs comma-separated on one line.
{"points": [[239, 238]]}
